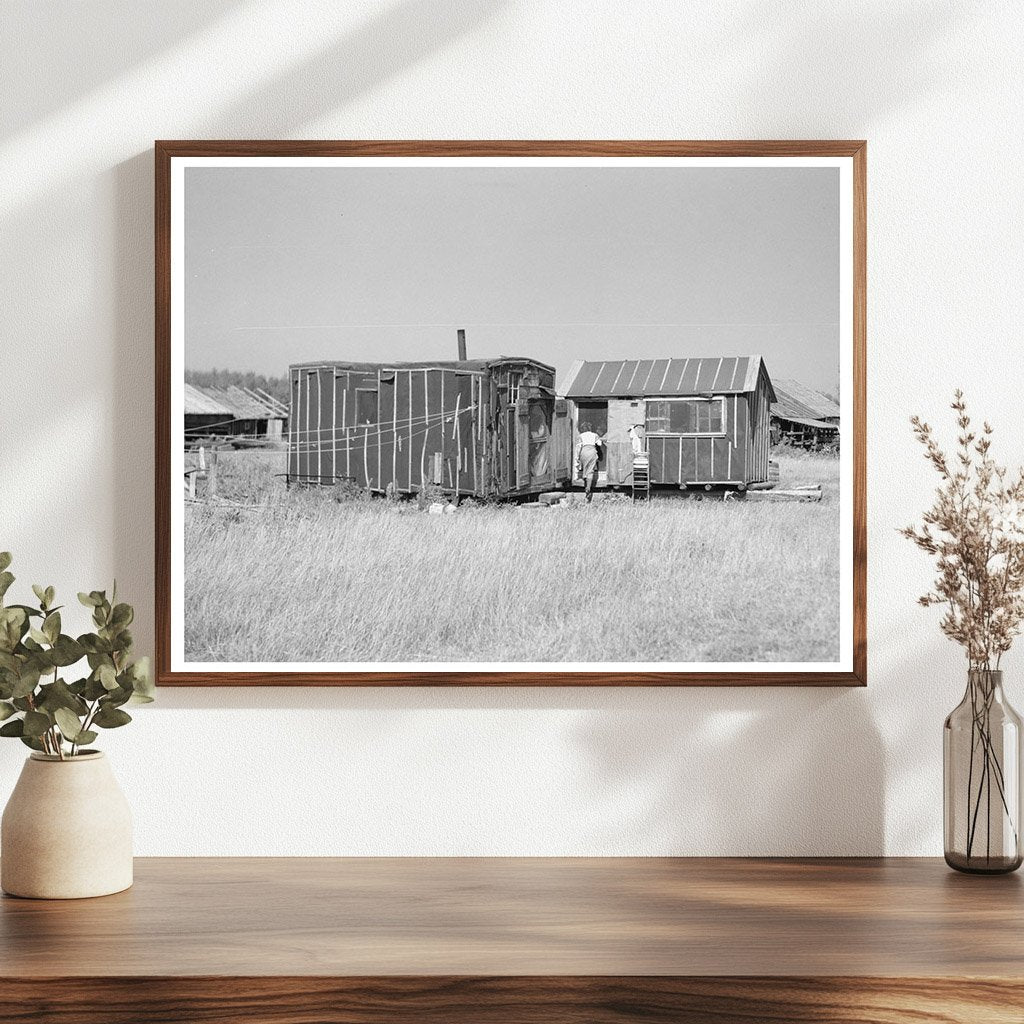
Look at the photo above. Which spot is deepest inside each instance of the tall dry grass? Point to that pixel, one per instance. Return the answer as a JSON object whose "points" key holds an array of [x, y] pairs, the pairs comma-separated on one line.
{"points": [[303, 578]]}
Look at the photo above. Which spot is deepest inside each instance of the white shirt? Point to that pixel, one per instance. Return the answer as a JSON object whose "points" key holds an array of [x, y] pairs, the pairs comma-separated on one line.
{"points": [[588, 437]]}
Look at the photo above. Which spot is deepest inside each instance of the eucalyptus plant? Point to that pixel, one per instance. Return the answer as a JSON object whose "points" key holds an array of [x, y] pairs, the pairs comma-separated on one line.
{"points": [[37, 704]]}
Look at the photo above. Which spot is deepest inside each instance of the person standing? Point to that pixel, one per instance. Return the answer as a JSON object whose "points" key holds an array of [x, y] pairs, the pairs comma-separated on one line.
{"points": [[588, 455], [637, 440]]}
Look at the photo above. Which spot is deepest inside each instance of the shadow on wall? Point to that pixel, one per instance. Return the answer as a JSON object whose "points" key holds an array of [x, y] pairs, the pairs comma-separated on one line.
{"points": [[690, 771], [53, 38], [382, 47], [396, 38], [739, 771]]}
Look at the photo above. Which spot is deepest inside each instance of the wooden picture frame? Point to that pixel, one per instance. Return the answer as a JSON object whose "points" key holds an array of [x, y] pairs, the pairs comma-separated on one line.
{"points": [[849, 156]]}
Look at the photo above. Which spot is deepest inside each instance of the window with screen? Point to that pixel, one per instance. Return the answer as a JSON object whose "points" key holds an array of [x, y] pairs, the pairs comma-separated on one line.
{"points": [[686, 416], [366, 406]]}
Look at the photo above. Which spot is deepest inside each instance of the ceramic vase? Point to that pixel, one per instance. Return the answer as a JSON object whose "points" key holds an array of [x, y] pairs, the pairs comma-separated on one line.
{"points": [[66, 831]]}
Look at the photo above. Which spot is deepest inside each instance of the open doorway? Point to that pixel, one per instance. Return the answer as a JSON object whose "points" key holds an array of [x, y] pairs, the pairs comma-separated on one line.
{"points": [[594, 413]]}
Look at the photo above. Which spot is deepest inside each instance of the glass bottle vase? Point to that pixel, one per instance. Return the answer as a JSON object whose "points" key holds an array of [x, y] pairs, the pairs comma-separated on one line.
{"points": [[981, 772]]}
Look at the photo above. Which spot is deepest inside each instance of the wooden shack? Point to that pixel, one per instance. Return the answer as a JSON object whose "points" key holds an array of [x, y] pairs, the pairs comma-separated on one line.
{"points": [[480, 427], [804, 417], [256, 414], [705, 420], [232, 413], [204, 415]]}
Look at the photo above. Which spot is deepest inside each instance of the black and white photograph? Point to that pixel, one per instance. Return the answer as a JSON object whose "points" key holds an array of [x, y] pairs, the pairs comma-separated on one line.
{"points": [[488, 414]]}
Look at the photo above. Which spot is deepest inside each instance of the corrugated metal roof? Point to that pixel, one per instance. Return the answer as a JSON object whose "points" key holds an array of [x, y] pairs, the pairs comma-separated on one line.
{"points": [[640, 378], [198, 403], [795, 400]]}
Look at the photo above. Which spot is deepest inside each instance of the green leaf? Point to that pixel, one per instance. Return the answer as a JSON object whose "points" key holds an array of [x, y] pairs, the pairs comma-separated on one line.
{"points": [[13, 623], [144, 691], [122, 616], [89, 600], [66, 651], [40, 593], [86, 736], [29, 611], [107, 676], [94, 645], [69, 724], [51, 626], [59, 695], [94, 689], [38, 635], [50, 595], [108, 718], [27, 682], [6, 579], [115, 698], [36, 723], [31, 741], [6, 710], [5, 560], [13, 728]]}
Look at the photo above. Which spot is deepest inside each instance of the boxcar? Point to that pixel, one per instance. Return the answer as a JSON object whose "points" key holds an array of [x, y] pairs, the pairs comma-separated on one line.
{"points": [[706, 420], [479, 427]]}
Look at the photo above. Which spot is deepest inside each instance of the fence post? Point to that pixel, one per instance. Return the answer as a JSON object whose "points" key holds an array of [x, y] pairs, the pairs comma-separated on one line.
{"points": [[211, 474]]}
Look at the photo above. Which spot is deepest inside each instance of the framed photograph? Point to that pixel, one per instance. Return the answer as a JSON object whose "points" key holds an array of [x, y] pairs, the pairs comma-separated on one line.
{"points": [[492, 413]]}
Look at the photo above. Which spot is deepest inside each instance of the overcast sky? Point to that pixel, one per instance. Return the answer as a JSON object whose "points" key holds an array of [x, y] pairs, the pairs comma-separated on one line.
{"points": [[383, 264]]}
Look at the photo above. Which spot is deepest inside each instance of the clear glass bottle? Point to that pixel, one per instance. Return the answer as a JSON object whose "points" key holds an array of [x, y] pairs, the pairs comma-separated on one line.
{"points": [[981, 767]]}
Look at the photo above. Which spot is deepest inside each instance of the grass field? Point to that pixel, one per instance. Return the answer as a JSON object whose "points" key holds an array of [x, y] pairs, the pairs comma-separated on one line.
{"points": [[286, 577]]}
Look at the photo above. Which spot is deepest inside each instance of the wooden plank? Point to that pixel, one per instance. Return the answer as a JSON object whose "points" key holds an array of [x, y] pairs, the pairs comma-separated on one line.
{"points": [[394, 430], [457, 435], [334, 426], [379, 439], [706, 921], [426, 429], [721, 458], [307, 459], [512, 1000], [346, 430], [444, 447], [293, 398]]}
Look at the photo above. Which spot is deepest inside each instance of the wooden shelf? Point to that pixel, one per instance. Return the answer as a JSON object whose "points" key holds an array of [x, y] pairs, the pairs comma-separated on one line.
{"points": [[577, 941]]}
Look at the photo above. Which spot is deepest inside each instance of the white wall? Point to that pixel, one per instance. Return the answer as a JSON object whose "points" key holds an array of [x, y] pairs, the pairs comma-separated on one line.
{"points": [[937, 89]]}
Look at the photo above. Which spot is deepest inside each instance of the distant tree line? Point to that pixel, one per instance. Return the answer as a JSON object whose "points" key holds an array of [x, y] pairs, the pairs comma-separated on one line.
{"points": [[276, 386]]}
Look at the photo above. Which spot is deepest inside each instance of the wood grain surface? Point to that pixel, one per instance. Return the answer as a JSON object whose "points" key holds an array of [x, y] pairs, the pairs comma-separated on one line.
{"points": [[512, 1000], [505, 940], [166, 150]]}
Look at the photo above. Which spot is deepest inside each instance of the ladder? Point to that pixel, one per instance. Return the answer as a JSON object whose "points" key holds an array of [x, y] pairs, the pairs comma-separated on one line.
{"points": [[641, 476]]}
